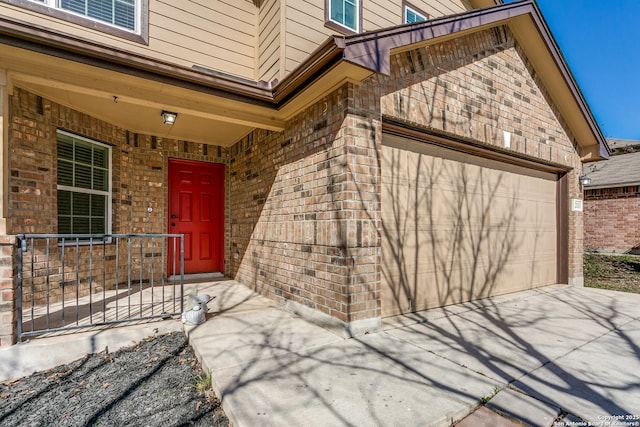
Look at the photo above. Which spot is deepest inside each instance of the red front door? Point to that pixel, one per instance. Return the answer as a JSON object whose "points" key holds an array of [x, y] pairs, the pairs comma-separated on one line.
{"points": [[196, 209]]}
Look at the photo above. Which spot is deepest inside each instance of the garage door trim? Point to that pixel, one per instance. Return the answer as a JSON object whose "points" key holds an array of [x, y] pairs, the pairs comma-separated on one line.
{"points": [[403, 130]]}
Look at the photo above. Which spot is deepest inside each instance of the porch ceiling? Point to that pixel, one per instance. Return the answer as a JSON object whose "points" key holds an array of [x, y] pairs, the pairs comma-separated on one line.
{"points": [[129, 114], [135, 103]]}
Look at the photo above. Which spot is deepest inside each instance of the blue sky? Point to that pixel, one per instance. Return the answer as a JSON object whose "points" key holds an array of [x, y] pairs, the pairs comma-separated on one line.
{"points": [[600, 41]]}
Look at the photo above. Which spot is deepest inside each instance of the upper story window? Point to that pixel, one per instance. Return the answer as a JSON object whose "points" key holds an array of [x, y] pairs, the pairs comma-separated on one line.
{"points": [[412, 14], [120, 13], [84, 185], [345, 13], [128, 19]]}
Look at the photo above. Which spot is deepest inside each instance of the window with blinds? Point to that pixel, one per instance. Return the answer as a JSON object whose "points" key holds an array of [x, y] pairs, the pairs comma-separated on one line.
{"points": [[411, 16], [84, 185], [120, 13]]}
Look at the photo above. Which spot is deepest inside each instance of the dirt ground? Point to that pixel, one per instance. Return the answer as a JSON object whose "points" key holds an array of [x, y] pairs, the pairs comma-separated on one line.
{"points": [[614, 272], [157, 382]]}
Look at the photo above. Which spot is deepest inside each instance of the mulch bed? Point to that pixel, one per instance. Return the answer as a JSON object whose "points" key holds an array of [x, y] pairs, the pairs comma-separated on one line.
{"points": [[157, 382]]}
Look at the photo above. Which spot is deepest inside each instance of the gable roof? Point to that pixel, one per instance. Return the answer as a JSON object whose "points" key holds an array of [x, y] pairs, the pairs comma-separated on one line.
{"points": [[524, 19], [619, 171], [620, 145], [236, 106]]}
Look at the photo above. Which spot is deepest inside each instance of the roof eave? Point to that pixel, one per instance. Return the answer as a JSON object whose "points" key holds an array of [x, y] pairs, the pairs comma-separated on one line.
{"points": [[321, 60], [611, 185], [373, 50], [554, 49], [43, 40], [34, 38], [369, 51]]}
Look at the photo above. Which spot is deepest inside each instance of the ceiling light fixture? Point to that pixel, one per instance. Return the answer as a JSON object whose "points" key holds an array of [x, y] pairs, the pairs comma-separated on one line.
{"points": [[169, 118]]}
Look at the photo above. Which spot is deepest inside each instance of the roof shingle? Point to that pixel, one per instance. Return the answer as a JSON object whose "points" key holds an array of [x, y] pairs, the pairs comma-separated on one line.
{"points": [[619, 170]]}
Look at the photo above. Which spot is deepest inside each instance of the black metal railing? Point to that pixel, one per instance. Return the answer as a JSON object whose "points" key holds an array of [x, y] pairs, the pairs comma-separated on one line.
{"points": [[68, 282]]}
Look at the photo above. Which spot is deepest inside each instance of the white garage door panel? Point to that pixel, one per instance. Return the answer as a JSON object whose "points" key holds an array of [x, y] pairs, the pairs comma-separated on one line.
{"points": [[458, 227]]}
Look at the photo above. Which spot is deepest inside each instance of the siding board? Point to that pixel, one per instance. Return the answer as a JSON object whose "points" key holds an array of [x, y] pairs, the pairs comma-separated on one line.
{"points": [[203, 21], [306, 38], [269, 34], [234, 36], [219, 34], [305, 29], [381, 14], [438, 8], [183, 45]]}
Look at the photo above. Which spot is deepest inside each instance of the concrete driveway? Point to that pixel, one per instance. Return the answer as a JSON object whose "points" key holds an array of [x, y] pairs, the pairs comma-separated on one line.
{"points": [[543, 356], [557, 355]]}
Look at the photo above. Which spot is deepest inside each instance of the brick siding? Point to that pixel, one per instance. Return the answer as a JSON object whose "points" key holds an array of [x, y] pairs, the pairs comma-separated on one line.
{"points": [[611, 219], [304, 208], [306, 202], [302, 219], [139, 180]]}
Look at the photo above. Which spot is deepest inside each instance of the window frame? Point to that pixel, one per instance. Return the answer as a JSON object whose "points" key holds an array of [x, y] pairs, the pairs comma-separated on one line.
{"points": [[406, 6], [338, 26], [108, 194], [140, 35]]}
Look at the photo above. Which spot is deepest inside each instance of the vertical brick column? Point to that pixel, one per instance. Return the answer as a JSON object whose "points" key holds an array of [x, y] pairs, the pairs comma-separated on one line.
{"points": [[8, 294], [576, 232], [8, 291], [4, 150], [359, 218]]}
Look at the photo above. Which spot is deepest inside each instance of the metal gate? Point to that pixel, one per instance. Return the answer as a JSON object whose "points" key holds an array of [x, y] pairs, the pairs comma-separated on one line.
{"points": [[81, 281]]}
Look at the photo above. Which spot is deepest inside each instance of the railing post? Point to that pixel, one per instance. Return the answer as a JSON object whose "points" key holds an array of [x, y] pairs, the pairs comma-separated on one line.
{"points": [[182, 272], [10, 299]]}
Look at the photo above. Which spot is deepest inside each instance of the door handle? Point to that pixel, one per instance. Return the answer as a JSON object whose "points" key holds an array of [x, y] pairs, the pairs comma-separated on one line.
{"points": [[173, 224], [174, 216]]}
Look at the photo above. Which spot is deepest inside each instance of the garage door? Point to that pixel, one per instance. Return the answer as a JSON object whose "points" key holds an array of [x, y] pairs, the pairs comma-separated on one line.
{"points": [[458, 227]]}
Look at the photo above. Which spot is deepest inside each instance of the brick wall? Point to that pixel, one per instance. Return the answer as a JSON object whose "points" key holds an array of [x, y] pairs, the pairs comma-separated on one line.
{"points": [[612, 219], [306, 202], [139, 181], [476, 87], [8, 290], [304, 211]]}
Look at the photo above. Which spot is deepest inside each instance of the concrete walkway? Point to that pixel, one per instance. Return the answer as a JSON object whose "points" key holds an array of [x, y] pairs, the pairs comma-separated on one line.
{"points": [[58, 349], [533, 356]]}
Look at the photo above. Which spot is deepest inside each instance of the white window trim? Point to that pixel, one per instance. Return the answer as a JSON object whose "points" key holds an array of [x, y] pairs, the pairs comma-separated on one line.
{"points": [[55, 4], [357, 7], [109, 193], [410, 9]]}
